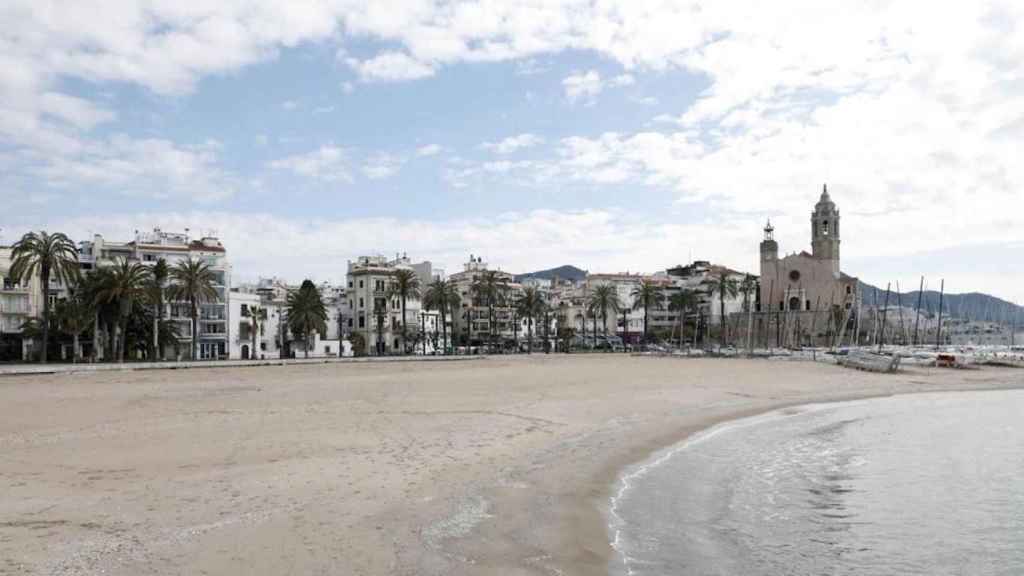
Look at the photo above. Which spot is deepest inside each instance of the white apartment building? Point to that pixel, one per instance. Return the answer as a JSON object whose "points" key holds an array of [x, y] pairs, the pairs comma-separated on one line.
{"points": [[374, 313], [471, 321], [632, 330], [18, 303], [148, 248]]}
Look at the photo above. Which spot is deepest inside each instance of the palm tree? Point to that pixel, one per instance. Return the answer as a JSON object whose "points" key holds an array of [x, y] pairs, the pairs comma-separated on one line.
{"points": [[126, 284], [682, 302], [725, 286], [406, 284], [747, 287], [443, 296], [256, 314], [90, 287], [192, 281], [605, 297], [647, 295], [489, 287], [306, 312], [530, 304], [52, 255], [75, 316], [159, 280]]}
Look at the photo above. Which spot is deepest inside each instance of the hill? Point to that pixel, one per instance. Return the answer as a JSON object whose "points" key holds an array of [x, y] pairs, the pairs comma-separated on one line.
{"points": [[972, 305], [564, 272]]}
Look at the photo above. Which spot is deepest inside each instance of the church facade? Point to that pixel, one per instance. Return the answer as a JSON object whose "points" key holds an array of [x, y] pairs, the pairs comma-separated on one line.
{"points": [[807, 282]]}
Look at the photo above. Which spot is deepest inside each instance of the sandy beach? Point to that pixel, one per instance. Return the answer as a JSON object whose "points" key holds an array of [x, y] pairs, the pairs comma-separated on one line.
{"points": [[497, 466]]}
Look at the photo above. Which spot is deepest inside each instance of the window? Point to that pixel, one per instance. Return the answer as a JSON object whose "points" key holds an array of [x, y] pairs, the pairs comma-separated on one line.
{"points": [[245, 310], [794, 275], [794, 303], [349, 322], [149, 257], [361, 303], [327, 349], [362, 321], [824, 228], [349, 283], [263, 346], [849, 290], [360, 283], [808, 305]]}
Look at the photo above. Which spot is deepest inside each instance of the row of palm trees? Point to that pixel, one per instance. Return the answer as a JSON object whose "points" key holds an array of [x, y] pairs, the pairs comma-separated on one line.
{"points": [[127, 297]]}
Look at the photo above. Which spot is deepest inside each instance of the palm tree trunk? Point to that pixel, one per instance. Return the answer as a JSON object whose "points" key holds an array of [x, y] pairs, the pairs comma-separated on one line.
{"points": [[721, 303], [444, 332], [119, 340], [405, 347], [195, 330], [646, 315], [45, 279], [95, 336], [156, 335], [529, 335], [306, 352], [74, 348]]}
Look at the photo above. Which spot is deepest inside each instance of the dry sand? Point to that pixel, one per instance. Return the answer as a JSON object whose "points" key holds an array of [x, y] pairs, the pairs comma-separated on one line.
{"points": [[501, 466]]}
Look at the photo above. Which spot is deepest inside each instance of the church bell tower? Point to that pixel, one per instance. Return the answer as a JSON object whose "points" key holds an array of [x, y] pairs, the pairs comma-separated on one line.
{"points": [[825, 229]]}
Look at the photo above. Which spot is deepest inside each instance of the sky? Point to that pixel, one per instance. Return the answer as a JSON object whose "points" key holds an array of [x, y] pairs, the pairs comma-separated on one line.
{"points": [[615, 136]]}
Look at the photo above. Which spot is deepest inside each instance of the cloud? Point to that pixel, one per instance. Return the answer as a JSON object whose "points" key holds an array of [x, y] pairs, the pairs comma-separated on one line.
{"points": [[75, 111], [390, 66], [622, 80], [329, 163], [513, 143], [585, 86], [289, 105], [381, 166], [428, 150], [148, 167]]}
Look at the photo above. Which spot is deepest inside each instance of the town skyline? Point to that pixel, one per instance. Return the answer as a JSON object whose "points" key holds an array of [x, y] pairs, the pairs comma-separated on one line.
{"points": [[610, 136]]}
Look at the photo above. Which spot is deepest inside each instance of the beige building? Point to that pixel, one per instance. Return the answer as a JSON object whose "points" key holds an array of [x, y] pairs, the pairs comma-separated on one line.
{"points": [[472, 323], [18, 303], [807, 281], [376, 314], [150, 247]]}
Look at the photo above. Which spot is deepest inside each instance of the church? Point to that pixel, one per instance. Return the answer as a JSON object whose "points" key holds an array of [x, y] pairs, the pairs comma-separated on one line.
{"points": [[807, 282]]}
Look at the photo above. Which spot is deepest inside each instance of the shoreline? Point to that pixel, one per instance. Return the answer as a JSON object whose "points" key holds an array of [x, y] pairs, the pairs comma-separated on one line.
{"points": [[587, 511], [503, 467], [618, 486]]}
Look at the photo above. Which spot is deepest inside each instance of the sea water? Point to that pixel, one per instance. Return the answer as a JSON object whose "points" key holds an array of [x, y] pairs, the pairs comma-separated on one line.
{"points": [[912, 484]]}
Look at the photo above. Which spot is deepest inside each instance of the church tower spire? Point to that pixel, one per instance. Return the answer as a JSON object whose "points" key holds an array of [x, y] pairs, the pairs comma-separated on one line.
{"points": [[825, 229]]}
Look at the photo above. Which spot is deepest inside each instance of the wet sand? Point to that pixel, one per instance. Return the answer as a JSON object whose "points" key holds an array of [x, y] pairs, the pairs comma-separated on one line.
{"points": [[501, 466]]}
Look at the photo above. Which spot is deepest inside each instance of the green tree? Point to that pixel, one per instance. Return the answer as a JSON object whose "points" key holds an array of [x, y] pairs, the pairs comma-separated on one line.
{"points": [[404, 285], [75, 316], [192, 281], [157, 288], [725, 286], [530, 305], [257, 314], [490, 288], [603, 298], [443, 296], [682, 302], [748, 286], [126, 284], [52, 256], [306, 312], [647, 295]]}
